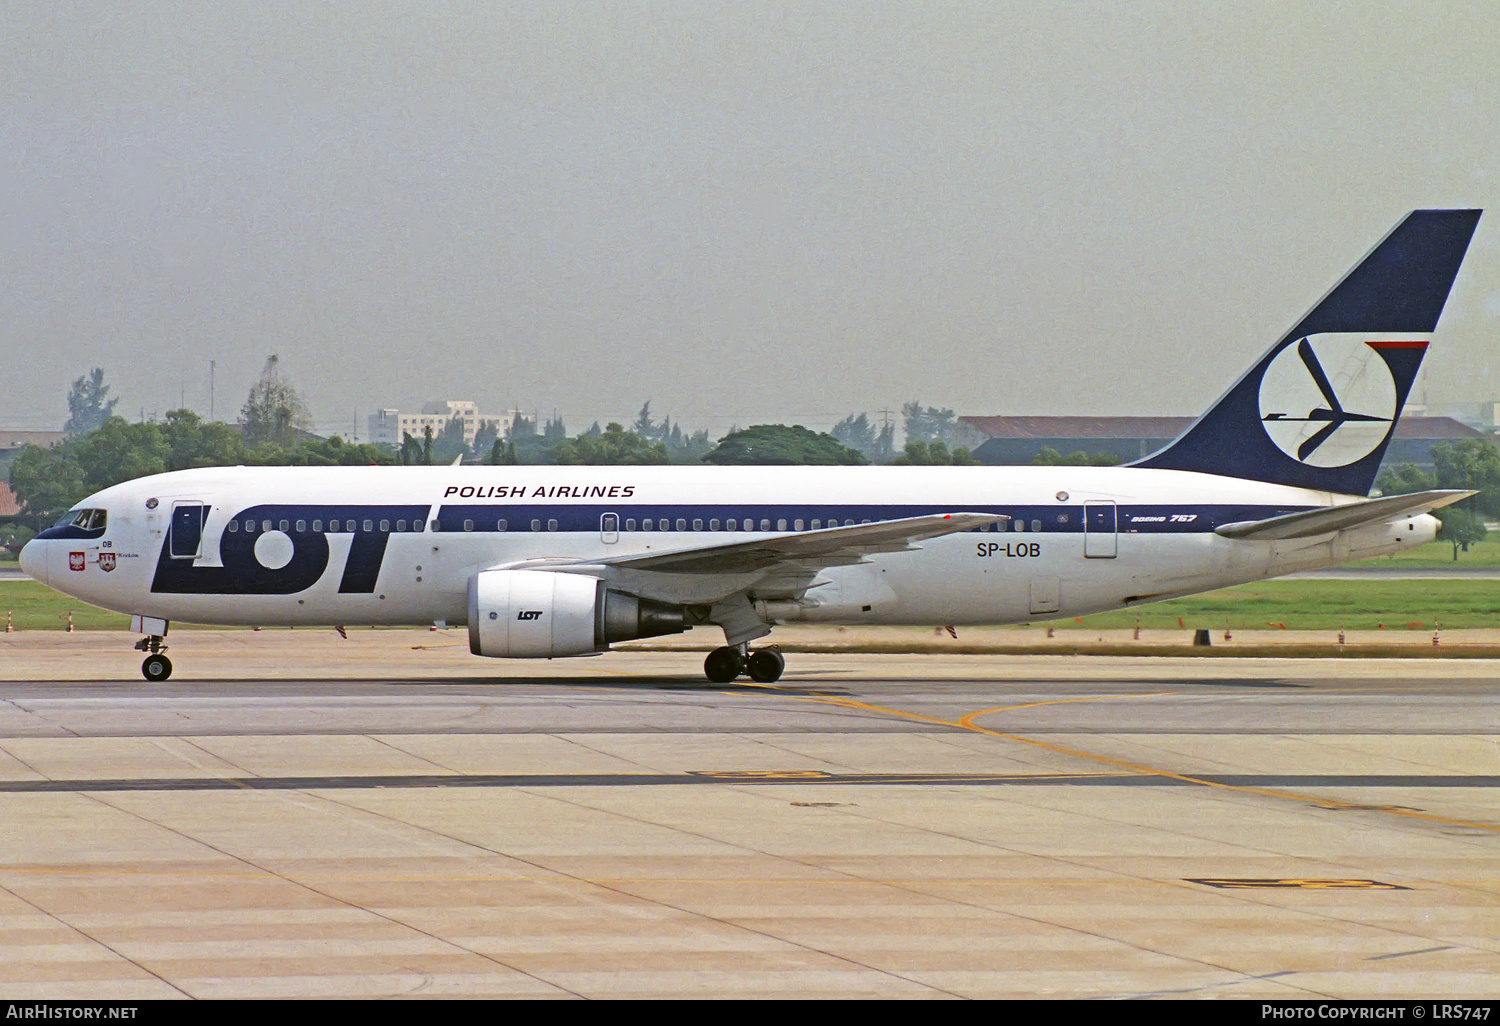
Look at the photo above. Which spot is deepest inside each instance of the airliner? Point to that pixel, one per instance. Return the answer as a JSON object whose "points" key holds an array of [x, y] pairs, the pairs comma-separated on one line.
{"points": [[542, 562]]}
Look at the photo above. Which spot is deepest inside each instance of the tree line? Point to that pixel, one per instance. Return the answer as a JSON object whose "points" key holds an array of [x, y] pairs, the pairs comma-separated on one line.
{"points": [[51, 480], [105, 449], [1470, 464], [271, 430]]}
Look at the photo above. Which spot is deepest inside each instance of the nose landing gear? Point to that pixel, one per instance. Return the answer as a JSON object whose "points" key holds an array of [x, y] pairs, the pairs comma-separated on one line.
{"points": [[764, 665], [157, 667]]}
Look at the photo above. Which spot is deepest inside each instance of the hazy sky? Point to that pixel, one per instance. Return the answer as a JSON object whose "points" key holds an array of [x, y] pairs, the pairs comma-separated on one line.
{"points": [[744, 212]]}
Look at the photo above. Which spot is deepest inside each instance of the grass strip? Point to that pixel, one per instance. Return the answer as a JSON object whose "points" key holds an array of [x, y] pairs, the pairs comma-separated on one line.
{"points": [[1325, 605]]}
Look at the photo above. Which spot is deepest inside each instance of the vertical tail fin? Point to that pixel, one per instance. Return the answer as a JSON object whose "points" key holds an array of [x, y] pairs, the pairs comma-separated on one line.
{"points": [[1318, 410]]}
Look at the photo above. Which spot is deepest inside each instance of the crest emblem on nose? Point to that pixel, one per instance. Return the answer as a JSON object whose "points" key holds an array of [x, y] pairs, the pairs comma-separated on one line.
{"points": [[75, 561]]}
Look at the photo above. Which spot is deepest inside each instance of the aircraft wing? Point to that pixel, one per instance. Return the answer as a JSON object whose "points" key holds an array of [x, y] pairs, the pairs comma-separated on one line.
{"points": [[831, 546], [1340, 518], [784, 566]]}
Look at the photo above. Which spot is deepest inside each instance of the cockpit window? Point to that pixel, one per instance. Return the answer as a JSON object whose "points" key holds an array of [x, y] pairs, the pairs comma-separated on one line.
{"points": [[86, 519]]}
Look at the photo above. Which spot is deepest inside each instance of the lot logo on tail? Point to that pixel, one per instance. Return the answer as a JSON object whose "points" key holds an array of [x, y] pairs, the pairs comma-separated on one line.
{"points": [[1329, 400]]}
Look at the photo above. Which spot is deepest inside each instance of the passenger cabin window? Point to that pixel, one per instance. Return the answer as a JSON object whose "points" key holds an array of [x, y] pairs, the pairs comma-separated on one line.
{"points": [[630, 525], [318, 526], [500, 526], [816, 524], [765, 525], [733, 525], [468, 525], [301, 526], [369, 525], [265, 525], [713, 525], [646, 524], [233, 526], [781, 525], [681, 525], [552, 525], [796, 525], [1036, 525], [536, 525], [697, 524]]}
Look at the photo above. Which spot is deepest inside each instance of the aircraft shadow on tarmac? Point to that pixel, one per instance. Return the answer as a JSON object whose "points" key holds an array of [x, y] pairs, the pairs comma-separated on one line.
{"points": [[1234, 682], [687, 683], [206, 686]]}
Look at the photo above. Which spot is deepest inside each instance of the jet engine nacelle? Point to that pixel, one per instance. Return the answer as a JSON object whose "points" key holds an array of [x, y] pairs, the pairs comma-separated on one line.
{"points": [[540, 614]]}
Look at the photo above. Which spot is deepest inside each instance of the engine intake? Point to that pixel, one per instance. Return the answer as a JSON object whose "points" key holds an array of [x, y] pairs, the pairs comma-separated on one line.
{"points": [[541, 614]]}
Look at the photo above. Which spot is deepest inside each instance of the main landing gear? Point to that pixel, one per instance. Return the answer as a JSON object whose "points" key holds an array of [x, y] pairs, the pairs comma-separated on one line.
{"points": [[763, 666], [157, 667]]}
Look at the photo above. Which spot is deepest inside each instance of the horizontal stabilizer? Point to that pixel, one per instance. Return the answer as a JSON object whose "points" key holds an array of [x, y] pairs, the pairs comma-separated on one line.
{"points": [[1340, 518]]}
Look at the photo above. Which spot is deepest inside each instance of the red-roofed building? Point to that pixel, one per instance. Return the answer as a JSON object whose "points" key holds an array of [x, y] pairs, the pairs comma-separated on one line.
{"points": [[10, 506]]}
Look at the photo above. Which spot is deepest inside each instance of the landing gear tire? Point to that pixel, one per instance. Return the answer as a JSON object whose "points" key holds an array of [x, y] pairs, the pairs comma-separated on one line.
{"points": [[723, 665], [765, 665], [156, 668]]}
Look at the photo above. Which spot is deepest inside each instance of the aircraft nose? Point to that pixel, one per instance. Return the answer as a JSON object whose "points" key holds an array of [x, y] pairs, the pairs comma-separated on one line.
{"points": [[34, 559]]}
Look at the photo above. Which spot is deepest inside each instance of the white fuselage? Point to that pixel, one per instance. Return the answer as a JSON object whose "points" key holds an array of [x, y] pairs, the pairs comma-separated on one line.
{"points": [[373, 545]]}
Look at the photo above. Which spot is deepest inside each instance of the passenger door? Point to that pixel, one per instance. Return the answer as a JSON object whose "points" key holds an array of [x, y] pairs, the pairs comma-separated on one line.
{"points": [[1099, 530], [186, 538]]}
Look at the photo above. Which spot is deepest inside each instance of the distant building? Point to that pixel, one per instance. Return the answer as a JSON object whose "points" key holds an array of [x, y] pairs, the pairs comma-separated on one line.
{"points": [[1015, 441], [1415, 437], [1484, 416], [384, 427], [11, 441], [390, 427]]}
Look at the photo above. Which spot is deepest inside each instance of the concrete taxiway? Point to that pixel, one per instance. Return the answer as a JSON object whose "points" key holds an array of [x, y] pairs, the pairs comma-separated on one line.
{"points": [[295, 814]]}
